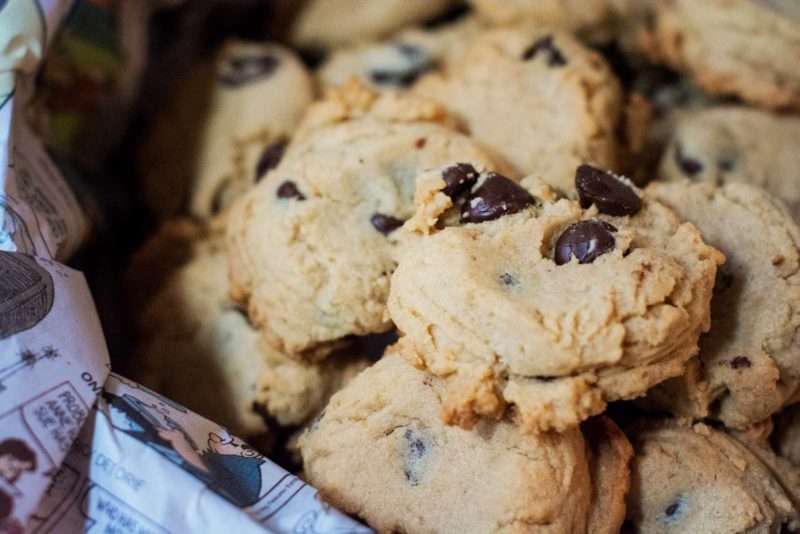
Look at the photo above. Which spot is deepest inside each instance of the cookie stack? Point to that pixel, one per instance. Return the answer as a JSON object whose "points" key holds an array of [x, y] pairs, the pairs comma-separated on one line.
{"points": [[443, 279]]}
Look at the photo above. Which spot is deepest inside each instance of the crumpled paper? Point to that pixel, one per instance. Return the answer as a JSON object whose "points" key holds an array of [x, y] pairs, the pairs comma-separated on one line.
{"points": [[82, 448]]}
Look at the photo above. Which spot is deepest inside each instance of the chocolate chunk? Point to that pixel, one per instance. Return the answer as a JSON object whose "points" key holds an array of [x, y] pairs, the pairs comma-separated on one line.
{"points": [[420, 143], [611, 195], [741, 362], [245, 69], [586, 240], [496, 196], [288, 189], [418, 445], [270, 158], [508, 279], [723, 281], [415, 62], [554, 59], [674, 511], [688, 165], [458, 179], [385, 224]]}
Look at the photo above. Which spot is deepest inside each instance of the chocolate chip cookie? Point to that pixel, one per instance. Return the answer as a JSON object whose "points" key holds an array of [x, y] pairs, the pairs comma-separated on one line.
{"points": [[697, 479], [381, 451], [553, 306], [744, 48], [398, 62], [737, 144], [198, 349], [566, 101], [749, 363], [260, 92], [322, 24], [311, 246]]}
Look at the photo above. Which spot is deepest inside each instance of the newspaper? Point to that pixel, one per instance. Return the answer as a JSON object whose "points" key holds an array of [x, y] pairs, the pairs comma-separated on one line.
{"points": [[82, 448]]}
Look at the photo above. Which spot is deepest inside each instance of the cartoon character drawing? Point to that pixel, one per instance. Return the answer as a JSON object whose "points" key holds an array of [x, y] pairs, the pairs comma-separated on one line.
{"points": [[22, 38], [230, 468], [16, 458], [8, 523], [26, 293], [13, 229]]}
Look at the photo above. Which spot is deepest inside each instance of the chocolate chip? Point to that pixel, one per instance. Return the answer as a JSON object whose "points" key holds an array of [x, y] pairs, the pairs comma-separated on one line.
{"points": [[741, 362], [415, 62], [417, 449], [496, 196], [409, 51], [723, 280], [288, 189], [586, 240], [726, 165], [688, 165], [554, 59], [270, 158], [420, 143], [385, 224], [611, 195], [317, 420], [459, 178], [508, 279], [675, 510], [245, 69]]}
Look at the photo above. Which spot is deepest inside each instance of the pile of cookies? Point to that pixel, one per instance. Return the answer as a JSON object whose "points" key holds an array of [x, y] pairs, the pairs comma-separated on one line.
{"points": [[533, 267]]}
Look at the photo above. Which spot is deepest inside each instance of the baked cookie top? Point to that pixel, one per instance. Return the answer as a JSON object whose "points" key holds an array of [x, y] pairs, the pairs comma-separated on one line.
{"points": [[323, 24], [310, 247], [697, 479], [381, 451], [192, 333], [260, 93], [744, 48], [750, 359], [552, 305], [542, 101], [736, 144], [593, 20], [398, 62]]}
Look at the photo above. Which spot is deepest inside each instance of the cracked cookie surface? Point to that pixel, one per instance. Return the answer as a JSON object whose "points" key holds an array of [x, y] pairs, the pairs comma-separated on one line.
{"points": [[735, 144], [697, 479], [198, 348], [398, 62], [745, 48], [381, 451], [311, 246], [259, 94], [749, 363], [536, 302], [566, 101]]}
